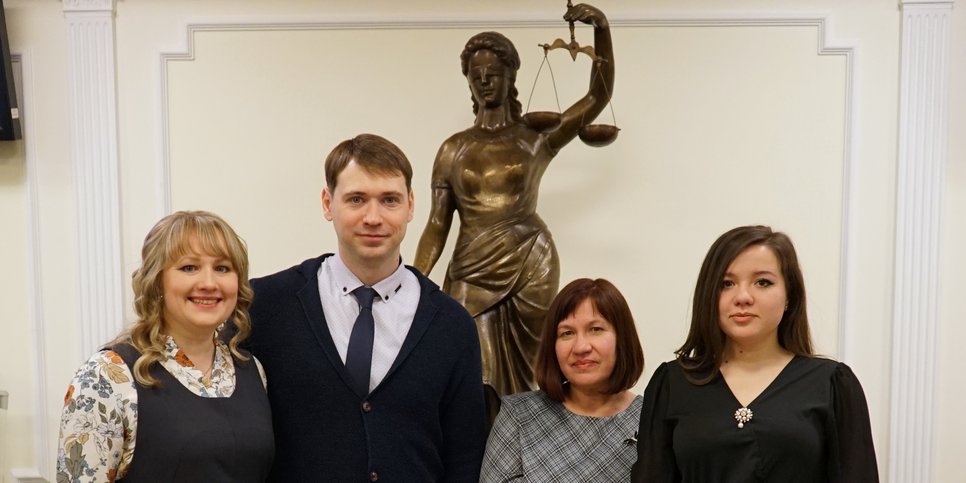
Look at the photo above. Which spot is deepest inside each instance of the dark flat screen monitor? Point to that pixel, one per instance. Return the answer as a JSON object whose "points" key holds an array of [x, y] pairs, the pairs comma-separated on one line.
{"points": [[9, 111]]}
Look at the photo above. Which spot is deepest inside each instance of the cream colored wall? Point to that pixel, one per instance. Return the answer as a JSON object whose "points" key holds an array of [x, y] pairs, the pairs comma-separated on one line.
{"points": [[14, 310], [722, 125]]}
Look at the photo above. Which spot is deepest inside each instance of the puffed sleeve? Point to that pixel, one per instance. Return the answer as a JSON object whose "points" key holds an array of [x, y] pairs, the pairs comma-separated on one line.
{"points": [[852, 456], [98, 425], [503, 460], [655, 454]]}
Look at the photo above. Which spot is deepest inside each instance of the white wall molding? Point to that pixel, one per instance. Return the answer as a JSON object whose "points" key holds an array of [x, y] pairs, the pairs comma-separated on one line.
{"points": [[923, 101], [38, 339], [99, 6], [94, 158], [26, 475], [825, 46]]}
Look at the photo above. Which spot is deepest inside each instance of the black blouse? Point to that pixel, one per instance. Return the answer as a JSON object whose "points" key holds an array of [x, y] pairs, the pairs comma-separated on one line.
{"points": [[811, 424]]}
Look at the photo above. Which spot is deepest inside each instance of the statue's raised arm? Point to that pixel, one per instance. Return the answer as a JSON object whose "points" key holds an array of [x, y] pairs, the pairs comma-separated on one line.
{"points": [[585, 110]]}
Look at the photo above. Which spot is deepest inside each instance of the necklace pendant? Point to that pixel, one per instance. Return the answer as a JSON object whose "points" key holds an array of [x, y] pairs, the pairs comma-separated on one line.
{"points": [[743, 415]]}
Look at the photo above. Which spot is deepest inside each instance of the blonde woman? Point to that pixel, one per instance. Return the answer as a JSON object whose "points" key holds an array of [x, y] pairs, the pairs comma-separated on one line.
{"points": [[168, 400]]}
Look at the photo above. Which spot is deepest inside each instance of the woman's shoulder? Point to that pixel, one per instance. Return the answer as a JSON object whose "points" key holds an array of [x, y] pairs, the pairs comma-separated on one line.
{"points": [[819, 364], [636, 403], [105, 363], [528, 404], [821, 370], [632, 411], [670, 370], [671, 378], [246, 355], [838, 371], [104, 376], [528, 398]]}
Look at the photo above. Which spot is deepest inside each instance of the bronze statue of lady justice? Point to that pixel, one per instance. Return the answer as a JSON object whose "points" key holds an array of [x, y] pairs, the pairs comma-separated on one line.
{"points": [[505, 268]]}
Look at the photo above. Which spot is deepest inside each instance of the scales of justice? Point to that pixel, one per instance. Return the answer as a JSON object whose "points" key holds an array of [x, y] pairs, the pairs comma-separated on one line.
{"points": [[597, 135], [504, 268]]}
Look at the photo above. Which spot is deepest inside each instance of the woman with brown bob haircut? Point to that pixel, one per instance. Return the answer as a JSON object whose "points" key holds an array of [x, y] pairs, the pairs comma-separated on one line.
{"points": [[747, 399], [191, 406], [588, 358]]}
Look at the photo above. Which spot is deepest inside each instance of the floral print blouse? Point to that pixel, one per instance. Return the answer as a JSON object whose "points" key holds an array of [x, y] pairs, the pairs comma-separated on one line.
{"points": [[99, 423]]}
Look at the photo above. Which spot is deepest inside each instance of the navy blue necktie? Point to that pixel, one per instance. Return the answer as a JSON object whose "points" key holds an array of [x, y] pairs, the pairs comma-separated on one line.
{"points": [[358, 357]]}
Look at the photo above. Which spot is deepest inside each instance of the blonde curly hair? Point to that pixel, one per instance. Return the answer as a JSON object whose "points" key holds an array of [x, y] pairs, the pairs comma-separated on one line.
{"points": [[170, 239]]}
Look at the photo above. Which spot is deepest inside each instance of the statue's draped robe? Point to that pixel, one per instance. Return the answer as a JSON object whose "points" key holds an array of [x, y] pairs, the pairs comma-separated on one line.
{"points": [[504, 268]]}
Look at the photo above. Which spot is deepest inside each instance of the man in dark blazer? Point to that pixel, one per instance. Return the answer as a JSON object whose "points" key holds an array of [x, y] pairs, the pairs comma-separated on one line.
{"points": [[420, 415]]}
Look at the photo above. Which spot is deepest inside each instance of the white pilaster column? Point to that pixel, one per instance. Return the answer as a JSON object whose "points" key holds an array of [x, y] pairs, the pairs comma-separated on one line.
{"points": [[923, 97], [93, 124]]}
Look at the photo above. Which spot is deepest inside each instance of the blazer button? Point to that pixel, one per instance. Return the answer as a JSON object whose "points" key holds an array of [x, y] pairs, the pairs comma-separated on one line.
{"points": [[366, 407], [373, 476]]}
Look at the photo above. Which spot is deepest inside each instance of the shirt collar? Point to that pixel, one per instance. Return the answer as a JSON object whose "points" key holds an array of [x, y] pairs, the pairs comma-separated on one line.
{"points": [[347, 281], [171, 348]]}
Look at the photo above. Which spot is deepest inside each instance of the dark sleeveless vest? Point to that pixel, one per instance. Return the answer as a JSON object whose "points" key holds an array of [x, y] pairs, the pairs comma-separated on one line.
{"points": [[184, 437]]}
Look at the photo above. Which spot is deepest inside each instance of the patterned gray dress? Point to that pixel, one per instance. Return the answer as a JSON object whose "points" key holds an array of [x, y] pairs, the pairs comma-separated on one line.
{"points": [[536, 439]]}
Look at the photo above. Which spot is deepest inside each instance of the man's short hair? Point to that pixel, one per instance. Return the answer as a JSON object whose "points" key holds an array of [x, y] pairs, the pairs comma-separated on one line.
{"points": [[373, 153]]}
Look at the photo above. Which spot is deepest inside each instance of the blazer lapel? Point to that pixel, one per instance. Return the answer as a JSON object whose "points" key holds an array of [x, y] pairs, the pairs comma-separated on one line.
{"points": [[425, 315], [315, 317]]}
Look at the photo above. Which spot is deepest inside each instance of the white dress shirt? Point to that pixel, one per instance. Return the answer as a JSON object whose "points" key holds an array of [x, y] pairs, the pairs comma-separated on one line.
{"points": [[393, 311]]}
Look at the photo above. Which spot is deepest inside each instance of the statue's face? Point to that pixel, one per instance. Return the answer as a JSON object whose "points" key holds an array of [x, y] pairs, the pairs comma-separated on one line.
{"points": [[489, 79]]}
